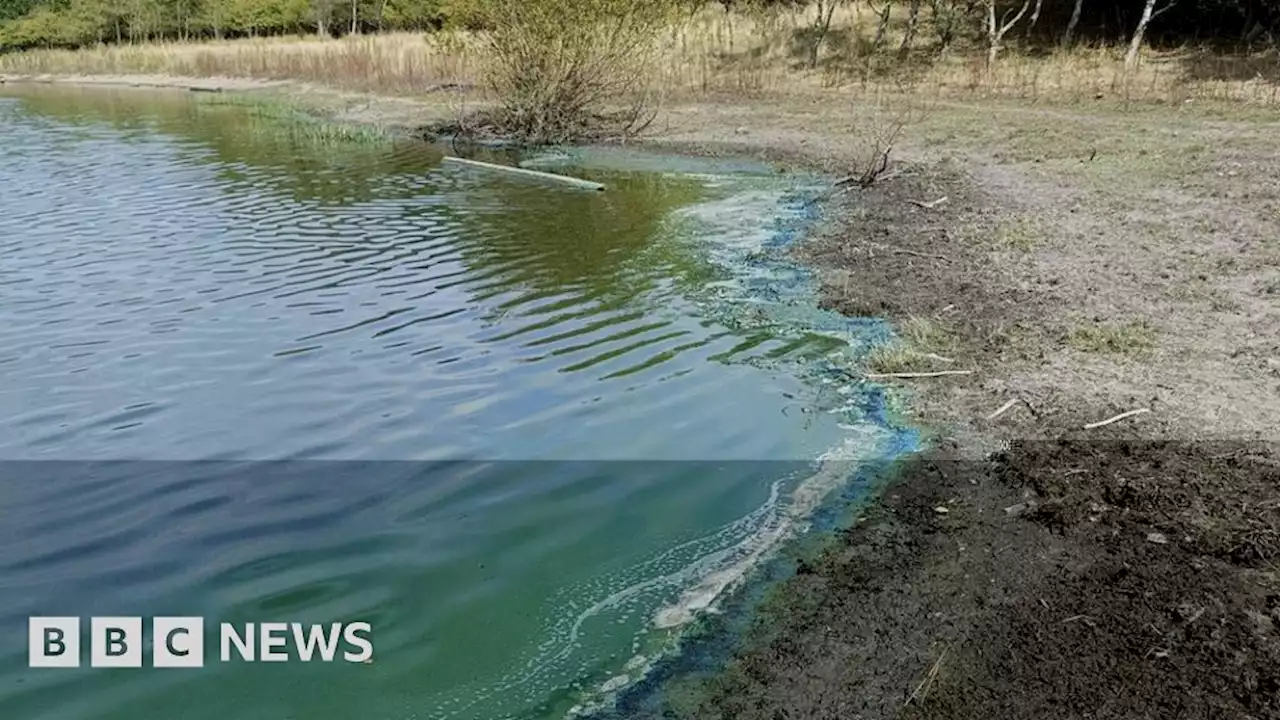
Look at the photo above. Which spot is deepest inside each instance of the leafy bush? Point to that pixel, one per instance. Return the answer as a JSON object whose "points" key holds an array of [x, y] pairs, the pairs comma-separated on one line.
{"points": [[569, 69]]}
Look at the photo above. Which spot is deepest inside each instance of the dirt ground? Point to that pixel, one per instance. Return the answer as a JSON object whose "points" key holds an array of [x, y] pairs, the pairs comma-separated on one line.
{"points": [[1088, 261]]}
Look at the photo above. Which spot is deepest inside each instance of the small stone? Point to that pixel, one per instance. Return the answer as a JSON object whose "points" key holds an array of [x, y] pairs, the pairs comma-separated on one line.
{"points": [[1157, 538], [941, 510], [1019, 509]]}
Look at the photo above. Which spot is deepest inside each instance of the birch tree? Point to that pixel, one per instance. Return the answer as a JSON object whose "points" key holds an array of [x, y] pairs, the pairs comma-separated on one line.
{"points": [[1149, 13], [322, 13], [1035, 17], [1071, 24], [997, 30]]}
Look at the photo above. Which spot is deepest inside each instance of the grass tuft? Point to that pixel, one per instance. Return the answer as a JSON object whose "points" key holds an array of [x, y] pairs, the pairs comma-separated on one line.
{"points": [[1098, 338], [922, 344], [1021, 234]]}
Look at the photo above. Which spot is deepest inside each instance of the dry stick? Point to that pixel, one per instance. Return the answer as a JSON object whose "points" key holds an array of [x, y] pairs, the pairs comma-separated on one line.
{"points": [[935, 356], [927, 682], [931, 204], [1007, 406], [909, 375], [522, 172], [922, 255], [851, 181], [1003, 409], [1117, 418], [1088, 620], [901, 251]]}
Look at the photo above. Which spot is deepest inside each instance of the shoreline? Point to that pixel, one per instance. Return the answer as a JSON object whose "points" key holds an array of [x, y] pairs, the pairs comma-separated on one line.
{"points": [[1036, 562], [1086, 263], [149, 82]]}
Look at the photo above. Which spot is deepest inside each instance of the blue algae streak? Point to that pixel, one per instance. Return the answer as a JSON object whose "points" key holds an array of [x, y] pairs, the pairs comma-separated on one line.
{"points": [[765, 287]]}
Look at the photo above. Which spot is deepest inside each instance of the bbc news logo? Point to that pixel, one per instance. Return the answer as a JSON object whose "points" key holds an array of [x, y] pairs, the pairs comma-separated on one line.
{"points": [[178, 642]]}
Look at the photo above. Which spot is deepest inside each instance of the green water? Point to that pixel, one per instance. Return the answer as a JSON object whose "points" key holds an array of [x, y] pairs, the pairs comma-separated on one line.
{"points": [[522, 430]]}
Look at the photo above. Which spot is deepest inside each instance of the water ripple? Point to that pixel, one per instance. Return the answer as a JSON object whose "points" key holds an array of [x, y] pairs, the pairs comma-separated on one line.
{"points": [[391, 391]]}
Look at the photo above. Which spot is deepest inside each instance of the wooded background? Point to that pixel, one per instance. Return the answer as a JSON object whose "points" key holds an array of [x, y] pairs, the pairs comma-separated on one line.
{"points": [[1224, 25]]}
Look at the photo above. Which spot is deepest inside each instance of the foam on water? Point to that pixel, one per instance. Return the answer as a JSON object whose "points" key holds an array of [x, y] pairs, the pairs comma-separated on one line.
{"points": [[833, 471]]}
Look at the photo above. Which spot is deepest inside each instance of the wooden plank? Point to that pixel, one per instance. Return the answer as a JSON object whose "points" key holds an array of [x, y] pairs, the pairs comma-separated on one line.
{"points": [[532, 174]]}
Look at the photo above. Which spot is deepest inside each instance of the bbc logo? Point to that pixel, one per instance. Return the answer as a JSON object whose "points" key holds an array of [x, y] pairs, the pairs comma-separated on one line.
{"points": [[54, 642], [178, 642]]}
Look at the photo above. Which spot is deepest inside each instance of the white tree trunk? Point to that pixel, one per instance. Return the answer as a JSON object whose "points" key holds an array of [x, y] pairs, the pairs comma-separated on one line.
{"points": [[993, 40], [1071, 25], [1135, 44], [1035, 17], [996, 30]]}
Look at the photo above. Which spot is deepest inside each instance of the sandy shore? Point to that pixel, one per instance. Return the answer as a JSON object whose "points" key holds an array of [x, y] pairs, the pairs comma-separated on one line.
{"points": [[1087, 261]]}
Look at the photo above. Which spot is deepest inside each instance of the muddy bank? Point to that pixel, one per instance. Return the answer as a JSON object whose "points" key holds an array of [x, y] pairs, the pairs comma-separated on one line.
{"points": [[1024, 566], [1028, 567], [970, 590]]}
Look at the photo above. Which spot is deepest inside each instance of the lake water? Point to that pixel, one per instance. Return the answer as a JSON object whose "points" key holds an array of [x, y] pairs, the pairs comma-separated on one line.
{"points": [[525, 431]]}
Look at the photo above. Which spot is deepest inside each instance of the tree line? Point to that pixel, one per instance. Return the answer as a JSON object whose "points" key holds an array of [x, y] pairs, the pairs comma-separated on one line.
{"points": [[988, 23], [75, 23], [1229, 23]]}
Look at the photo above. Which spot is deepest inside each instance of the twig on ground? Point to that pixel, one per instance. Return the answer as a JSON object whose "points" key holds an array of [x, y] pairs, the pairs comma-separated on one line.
{"points": [[901, 251], [922, 690], [1088, 620], [1117, 418], [908, 375], [1009, 405], [931, 204]]}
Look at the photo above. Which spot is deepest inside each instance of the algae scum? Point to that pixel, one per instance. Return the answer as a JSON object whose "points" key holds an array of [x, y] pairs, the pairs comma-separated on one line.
{"points": [[527, 433]]}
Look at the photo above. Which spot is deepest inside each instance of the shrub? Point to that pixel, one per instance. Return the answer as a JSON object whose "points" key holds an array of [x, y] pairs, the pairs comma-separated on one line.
{"points": [[569, 69]]}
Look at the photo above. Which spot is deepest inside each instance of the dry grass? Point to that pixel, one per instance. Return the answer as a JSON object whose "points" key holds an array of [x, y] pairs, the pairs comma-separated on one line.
{"points": [[711, 52], [922, 344], [1130, 338], [397, 63], [1019, 233]]}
